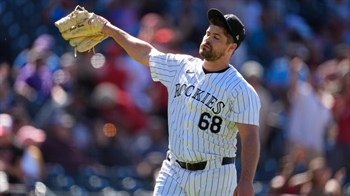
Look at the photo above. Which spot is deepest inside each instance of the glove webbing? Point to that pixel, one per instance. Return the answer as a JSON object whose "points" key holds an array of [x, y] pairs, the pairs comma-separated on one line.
{"points": [[75, 51]]}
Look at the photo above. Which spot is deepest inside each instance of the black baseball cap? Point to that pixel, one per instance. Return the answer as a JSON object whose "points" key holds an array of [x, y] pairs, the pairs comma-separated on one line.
{"points": [[233, 23]]}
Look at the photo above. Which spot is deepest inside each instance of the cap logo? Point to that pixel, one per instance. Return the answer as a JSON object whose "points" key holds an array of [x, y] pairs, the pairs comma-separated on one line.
{"points": [[237, 37]]}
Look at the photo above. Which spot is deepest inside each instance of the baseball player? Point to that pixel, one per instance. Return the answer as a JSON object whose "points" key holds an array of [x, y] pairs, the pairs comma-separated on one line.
{"points": [[209, 104]]}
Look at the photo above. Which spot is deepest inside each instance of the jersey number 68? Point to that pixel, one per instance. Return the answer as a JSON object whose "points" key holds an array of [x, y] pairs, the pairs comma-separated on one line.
{"points": [[212, 122]]}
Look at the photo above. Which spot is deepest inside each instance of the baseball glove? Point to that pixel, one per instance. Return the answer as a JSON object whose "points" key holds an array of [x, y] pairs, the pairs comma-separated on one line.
{"points": [[82, 29]]}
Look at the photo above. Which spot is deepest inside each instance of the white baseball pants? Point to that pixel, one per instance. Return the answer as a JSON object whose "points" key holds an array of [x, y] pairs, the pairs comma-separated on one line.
{"points": [[215, 179]]}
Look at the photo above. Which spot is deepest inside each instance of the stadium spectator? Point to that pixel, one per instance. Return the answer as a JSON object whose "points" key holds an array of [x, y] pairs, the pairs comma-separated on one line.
{"points": [[254, 74], [11, 153], [309, 101], [42, 44], [34, 82], [339, 155], [60, 147], [30, 138], [7, 94]]}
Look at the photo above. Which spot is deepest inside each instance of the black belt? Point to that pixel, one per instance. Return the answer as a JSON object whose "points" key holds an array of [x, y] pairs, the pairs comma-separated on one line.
{"points": [[201, 165]]}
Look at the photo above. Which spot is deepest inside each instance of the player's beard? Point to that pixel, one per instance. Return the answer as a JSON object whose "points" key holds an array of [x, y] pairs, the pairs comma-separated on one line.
{"points": [[209, 54]]}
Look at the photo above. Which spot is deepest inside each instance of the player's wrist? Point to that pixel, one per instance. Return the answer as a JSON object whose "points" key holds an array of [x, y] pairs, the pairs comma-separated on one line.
{"points": [[106, 28], [246, 180]]}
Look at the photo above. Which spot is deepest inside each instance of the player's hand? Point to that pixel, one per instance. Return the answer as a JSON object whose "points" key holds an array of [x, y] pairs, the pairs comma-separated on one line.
{"points": [[244, 189]]}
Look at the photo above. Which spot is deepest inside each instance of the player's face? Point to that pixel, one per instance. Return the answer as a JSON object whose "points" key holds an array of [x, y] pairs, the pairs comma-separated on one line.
{"points": [[214, 44]]}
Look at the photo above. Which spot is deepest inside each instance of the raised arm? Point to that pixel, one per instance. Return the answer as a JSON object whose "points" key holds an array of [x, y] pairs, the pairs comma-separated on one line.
{"points": [[136, 48], [85, 29]]}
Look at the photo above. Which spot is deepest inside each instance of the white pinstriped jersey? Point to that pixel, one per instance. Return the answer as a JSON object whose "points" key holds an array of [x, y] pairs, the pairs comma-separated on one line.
{"points": [[203, 108]]}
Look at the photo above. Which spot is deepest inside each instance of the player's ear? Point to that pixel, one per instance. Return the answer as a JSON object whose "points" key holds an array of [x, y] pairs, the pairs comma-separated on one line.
{"points": [[232, 47]]}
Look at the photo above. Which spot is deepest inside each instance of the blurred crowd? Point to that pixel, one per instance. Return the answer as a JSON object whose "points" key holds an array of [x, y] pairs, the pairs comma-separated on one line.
{"points": [[54, 107]]}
